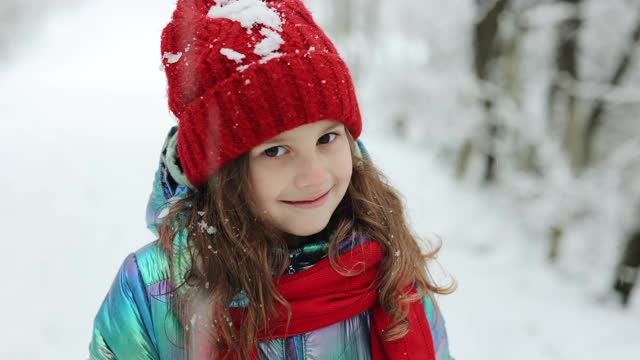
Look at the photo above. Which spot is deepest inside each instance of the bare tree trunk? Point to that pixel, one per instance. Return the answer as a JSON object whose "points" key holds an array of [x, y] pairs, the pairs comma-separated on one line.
{"points": [[563, 102], [485, 35], [555, 235], [490, 160], [463, 159], [486, 50], [628, 268], [595, 118]]}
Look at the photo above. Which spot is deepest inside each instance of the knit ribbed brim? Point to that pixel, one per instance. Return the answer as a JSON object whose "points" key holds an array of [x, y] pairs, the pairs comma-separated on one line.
{"points": [[257, 104]]}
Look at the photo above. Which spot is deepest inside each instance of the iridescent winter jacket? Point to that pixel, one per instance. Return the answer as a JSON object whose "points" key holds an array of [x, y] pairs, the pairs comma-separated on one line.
{"points": [[135, 320]]}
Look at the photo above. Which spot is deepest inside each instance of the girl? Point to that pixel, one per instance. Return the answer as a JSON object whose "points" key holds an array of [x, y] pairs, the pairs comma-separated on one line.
{"points": [[278, 238]]}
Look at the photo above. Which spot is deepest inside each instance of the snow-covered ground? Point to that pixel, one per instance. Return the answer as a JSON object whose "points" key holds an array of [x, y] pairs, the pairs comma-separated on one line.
{"points": [[84, 117]]}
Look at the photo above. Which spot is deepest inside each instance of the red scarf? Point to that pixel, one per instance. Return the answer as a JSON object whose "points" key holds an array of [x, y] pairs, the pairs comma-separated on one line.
{"points": [[320, 297]]}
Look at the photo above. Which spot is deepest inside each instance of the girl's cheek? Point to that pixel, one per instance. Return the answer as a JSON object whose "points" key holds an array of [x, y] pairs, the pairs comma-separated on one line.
{"points": [[344, 166]]}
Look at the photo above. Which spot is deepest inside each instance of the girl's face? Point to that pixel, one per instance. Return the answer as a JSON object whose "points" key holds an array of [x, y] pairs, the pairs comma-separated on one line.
{"points": [[300, 176]]}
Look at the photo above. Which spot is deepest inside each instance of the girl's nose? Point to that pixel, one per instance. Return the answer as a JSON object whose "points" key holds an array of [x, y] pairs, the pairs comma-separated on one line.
{"points": [[311, 174]]}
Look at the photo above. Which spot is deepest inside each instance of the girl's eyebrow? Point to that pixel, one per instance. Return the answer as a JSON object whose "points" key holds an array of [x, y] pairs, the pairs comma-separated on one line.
{"points": [[284, 139]]}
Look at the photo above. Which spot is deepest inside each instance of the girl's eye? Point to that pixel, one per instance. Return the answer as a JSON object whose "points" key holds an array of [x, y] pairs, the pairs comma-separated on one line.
{"points": [[274, 151], [327, 138]]}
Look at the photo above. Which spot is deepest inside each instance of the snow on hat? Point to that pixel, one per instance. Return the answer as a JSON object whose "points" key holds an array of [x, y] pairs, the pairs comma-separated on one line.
{"points": [[242, 71]]}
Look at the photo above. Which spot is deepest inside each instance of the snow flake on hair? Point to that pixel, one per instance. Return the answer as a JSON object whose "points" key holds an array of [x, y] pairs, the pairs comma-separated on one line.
{"points": [[206, 227]]}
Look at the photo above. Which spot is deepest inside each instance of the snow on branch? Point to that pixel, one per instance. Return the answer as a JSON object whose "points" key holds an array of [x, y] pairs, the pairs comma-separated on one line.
{"points": [[591, 90]]}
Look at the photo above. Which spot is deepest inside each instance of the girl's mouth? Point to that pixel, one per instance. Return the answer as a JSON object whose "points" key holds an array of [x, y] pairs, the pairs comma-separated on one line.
{"points": [[311, 203]]}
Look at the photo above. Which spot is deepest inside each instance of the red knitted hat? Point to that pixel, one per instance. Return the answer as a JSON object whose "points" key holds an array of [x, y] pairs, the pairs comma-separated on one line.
{"points": [[242, 71]]}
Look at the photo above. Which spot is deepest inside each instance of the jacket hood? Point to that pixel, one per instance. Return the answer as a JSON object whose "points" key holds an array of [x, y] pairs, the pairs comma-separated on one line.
{"points": [[169, 183]]}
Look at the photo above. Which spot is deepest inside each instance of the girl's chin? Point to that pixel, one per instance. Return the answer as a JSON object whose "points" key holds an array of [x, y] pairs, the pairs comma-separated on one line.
{"points": [[305, 230]]}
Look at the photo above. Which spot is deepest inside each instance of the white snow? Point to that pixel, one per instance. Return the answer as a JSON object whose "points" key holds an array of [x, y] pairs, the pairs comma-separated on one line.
{"points": [[81, 170], [248, 13], [242, 68], [270, 56], [232, 55], [310, 50], [550, 14], [171, 57], [271, 42], [203, 225]]}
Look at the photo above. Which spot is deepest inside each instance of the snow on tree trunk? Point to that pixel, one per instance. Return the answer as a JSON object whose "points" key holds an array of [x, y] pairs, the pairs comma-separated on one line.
{"points": [[563, 101], [594, 120], [486, 51]]}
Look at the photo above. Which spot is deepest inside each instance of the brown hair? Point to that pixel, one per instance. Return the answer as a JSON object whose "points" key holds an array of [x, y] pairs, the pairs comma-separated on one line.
{"points": [[236, 256]]}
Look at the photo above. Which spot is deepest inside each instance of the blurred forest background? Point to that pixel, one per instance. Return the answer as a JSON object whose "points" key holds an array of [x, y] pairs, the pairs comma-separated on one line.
{"points": [[537, 99], [535, 103]]}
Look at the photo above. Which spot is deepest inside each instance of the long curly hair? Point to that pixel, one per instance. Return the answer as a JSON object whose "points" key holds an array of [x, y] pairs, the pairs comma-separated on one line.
{"points": [[232, 253]]}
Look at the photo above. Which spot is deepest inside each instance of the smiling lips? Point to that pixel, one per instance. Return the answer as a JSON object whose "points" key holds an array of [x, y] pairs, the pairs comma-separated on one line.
{"points": [[310, 203]]}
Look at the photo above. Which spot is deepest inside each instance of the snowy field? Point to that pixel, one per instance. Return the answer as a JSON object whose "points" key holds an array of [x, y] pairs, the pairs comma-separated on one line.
{"points": [[84, 117]]}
